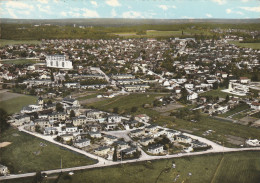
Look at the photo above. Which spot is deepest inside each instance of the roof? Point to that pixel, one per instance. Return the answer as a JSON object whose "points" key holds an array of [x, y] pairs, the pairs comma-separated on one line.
{"points": [[82, 140], [155, 146], [101, 148]]}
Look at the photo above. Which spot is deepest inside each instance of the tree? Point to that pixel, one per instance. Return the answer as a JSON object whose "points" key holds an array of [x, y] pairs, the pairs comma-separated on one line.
{"points": [[49, 102], [115, 110], [134, 109], [72, 114], [215, 85], [59, 107], [115, 154], [227, 98], [38, 177], [3, 120]]}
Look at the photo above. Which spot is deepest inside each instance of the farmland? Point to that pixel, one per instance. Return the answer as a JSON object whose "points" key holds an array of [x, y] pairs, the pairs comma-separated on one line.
{"points": [[19, 61], [15, 104], [246, 45], [28, 154], [4, 42], [236, 167]]}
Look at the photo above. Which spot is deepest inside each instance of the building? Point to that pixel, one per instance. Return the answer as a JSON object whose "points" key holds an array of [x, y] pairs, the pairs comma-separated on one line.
{"points": [[58, 61], [155, 148], [3, 170], [82, 143]]}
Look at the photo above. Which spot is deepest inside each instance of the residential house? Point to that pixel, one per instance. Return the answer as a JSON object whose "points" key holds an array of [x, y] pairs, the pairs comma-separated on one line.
{"points": [[80, 143], [145, 141], [102, 151], [183, 138], [155, 149]]}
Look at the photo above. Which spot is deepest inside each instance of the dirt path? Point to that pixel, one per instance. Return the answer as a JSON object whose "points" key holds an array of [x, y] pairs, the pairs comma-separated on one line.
{"points": [[4, 144]]}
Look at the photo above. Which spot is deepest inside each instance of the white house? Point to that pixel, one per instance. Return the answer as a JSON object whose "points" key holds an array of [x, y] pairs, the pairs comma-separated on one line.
{"points": [[192, 96], [114, 119], [255, 105], [82, 143], [155, 149], [58, 61]]}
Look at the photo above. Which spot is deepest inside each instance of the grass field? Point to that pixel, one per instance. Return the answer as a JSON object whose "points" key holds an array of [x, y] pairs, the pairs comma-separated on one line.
{"points": [[88, 96], [246, 45], [216, 93], [16, 104], [241, 167], [19, 61], [126, 102], [4, 42], [239, 108], [163, 33], [26, 155]]}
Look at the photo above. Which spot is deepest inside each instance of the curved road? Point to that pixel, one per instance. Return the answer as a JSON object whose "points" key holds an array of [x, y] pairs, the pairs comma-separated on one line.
{"points": [[216, 148]]}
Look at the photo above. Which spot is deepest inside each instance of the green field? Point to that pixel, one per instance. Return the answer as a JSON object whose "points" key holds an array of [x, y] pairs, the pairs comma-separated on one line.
{"points": [[19, 61], [241, 167], [163, 33], [239, 108], [88, 96], [16, 104], [126, 102], [246, 45], [4, 42], [216, 93], [25, 154]]}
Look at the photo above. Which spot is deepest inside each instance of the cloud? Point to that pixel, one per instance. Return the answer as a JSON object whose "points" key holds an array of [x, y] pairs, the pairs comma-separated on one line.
{"points": [[94, 3], [253, 9], [208, 15], [244, 1], [43, 1], [132, 14], [187, 17], [113, 3], [45, 9], [90, 13], [220, 2], [18, 5], [113, 13], [11, 13], [228, 11], [165, 7], [64, 14]]}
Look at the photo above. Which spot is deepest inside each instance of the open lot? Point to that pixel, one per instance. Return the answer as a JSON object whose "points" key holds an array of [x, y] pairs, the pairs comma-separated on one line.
{"points": [[15, 104], [27, 153], [237, 167], [246, 45], [4, 42], [126, 102], [216, 93], [18, 61], [5, 95]]}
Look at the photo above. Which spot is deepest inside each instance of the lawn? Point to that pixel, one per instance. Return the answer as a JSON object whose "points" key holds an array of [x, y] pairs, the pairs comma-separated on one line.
{"points": [[216, 93], [88, 96], [19, 61], [4, 42], [16, 104], [126, 102], [239, 108], [25, 154], [163, 33], [246, 45], [238, 167]]}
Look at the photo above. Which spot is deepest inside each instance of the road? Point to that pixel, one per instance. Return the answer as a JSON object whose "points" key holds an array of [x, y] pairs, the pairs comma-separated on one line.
{"points": [[216, 148]]}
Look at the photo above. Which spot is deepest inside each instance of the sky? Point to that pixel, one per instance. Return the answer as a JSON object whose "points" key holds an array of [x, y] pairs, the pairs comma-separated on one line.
{"points": [[141, 9]]}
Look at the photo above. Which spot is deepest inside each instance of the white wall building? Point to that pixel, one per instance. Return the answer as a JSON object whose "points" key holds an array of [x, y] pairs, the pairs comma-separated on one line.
{"points": [[58, 61]]}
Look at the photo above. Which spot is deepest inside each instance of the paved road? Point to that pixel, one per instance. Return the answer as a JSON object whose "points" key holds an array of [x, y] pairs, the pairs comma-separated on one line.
{"points": [[216, 148]]}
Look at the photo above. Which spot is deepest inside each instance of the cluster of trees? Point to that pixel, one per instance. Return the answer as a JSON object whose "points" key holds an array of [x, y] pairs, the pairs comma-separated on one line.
{"points": [[4, 125]]}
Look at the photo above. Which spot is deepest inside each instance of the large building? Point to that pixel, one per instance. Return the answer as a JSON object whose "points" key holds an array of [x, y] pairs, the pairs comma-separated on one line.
{"points": [[58, 61]]}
